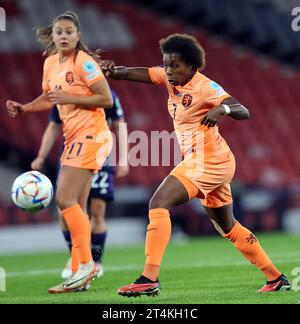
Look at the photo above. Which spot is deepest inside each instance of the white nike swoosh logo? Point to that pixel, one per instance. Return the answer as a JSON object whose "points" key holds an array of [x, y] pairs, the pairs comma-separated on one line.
{"points": [[72, 283]]}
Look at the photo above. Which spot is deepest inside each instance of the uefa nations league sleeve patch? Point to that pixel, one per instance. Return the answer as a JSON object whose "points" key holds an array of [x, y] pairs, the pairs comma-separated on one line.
{"points": [[214, 85], [90, 66]]}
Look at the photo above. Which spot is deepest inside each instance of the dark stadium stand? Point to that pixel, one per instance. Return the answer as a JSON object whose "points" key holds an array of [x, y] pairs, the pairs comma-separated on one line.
{"points": [[266, 146], [258, 24]]}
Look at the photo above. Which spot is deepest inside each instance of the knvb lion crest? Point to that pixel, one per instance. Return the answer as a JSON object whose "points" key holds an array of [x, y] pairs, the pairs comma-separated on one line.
{"points": [[187, 100], [69, 77], [251, 239]]}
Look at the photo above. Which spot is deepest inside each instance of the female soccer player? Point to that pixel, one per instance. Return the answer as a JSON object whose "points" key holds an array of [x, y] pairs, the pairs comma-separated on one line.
{"points": [[102, 190], [196, 105], [74, 82]]}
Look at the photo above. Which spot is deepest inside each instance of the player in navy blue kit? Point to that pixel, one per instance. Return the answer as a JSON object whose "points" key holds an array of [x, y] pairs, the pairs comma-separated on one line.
{"points": [[102, 189]]}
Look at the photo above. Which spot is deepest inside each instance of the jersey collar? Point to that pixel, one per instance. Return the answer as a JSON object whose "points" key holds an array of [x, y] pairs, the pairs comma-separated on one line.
{"points": [[191, 84]]}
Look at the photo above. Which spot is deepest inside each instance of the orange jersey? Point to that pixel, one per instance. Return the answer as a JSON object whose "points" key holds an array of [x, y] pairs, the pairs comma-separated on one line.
{"points": [[76, 77], [187, 106]]}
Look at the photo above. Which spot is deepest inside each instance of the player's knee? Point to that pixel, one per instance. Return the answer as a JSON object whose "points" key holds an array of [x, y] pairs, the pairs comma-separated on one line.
{"points": [[99, 223], [97, 210], [229, 225], [98, 215], [219, 230], [158, 202], [222, 228], [63, 202]]}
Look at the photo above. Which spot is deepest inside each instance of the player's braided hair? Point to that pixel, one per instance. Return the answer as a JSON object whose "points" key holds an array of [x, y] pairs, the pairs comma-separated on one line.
{"points": [[44, 35], [187, 46]]}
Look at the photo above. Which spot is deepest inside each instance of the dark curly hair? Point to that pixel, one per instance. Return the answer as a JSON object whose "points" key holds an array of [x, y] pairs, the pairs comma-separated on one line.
{"points": [[187, 47]]}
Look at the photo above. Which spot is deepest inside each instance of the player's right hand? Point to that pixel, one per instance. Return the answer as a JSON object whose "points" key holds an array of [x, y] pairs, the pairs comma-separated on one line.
{"points": [[38, 163], [107, 65], [115, 72], [14, 108]]}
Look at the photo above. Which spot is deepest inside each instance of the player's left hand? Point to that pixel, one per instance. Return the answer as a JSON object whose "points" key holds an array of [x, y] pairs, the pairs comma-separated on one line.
{"points": [[122, 171], [213, 116], [59, 97]]}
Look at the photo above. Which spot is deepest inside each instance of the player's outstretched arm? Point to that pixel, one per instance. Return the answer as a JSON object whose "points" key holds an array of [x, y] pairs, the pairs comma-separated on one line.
{"points": [[49, 138], [39, 104], [138, 74]]}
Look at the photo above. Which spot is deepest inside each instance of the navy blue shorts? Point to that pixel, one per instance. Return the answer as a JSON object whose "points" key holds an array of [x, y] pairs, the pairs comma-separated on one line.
{"points": [[102, 184]]}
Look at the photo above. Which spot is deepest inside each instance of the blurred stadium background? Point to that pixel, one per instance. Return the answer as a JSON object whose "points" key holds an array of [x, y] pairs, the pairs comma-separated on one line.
{"points": [[251, 50]]}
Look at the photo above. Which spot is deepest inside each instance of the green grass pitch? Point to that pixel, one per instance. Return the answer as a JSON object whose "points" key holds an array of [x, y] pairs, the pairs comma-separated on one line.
{"points": [[197, 271]]}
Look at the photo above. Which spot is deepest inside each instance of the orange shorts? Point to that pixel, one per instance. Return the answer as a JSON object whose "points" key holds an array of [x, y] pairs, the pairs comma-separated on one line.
{"points": [[208, 180], [85, 155]]}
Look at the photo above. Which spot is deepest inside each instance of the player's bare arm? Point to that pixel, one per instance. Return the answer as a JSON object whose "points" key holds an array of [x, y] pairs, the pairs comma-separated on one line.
{"points": [[101, 97], [237, 110], [138, 74], [49, 138], [229, 107], [39, 104]]}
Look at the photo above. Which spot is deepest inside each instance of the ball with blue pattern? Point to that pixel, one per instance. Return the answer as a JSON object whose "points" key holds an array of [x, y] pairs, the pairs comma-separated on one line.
{"points": [[32, 191]]}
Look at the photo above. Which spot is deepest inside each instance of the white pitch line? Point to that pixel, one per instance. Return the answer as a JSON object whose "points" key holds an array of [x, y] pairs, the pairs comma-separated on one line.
{"points": [[57, 271], [33, 273]]}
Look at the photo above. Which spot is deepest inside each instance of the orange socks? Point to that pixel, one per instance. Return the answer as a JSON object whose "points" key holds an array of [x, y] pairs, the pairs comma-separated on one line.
{"points": [[80, 233], [157, 239], [75, 260], [74, 256], [249, 246]]}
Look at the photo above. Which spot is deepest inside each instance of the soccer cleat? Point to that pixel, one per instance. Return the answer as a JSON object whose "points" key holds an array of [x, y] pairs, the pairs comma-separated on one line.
{"points": [[67, 272], [82, 278], [100, 270], [280, 284], [141, 287], [99, 273], [60, 289]]}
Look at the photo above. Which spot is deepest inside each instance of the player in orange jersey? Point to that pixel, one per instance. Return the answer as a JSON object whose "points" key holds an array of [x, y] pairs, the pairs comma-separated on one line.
{"points": [[196, 105], [74, 82], [102, 190]]}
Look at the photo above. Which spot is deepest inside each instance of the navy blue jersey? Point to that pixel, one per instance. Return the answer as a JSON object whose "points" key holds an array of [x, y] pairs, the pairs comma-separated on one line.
{"points": [[116, 112], [54, 116], [103, 185], [113, 114]]}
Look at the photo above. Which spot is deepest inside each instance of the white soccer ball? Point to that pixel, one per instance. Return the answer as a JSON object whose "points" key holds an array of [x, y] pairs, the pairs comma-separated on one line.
{"points": [[32, 191]]}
